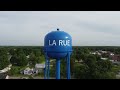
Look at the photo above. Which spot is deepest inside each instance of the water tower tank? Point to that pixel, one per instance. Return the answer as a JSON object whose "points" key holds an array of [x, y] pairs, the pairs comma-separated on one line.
{"points": [[57, 44]]}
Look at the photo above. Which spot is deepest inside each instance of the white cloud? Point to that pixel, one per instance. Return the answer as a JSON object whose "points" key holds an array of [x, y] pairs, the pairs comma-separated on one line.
{"points": [[85, 27]]}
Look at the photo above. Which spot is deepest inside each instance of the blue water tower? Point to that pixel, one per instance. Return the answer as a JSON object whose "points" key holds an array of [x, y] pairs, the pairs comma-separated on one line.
{"points": [[57, 45]]}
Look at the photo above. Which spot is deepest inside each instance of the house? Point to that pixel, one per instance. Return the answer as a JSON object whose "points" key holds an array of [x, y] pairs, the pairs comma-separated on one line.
{"points": [[96, 52], [28, 71], [38, 68], [99, 54], [112, 54], [104, 58], [93, 53], [103, 51], [115, 57]]}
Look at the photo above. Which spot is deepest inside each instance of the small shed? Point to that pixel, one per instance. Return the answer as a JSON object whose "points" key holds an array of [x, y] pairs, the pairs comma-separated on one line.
{"points": [[40, 67]]}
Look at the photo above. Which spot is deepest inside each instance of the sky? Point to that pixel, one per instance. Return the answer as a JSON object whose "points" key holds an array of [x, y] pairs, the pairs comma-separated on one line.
{"points": [[87, 28]]}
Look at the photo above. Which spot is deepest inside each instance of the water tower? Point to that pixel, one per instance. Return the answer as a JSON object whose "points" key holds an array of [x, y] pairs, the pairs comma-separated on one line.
{"points": [[57, 45]]}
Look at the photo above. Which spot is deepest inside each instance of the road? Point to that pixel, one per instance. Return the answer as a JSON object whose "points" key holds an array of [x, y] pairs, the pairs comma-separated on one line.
{"points": [[13, 77]]}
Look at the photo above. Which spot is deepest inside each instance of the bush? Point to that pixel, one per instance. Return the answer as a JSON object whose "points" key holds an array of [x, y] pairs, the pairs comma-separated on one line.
{"points": [[14, 70], [30, 77]]}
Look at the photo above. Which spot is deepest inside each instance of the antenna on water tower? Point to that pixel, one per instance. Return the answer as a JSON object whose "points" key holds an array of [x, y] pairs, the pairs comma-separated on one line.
{"points": [[57, 29]]}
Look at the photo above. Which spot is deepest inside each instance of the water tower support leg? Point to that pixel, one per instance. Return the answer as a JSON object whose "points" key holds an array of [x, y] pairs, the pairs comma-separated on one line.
{"points": [[58, 69], [68, 66], [45, 71]]}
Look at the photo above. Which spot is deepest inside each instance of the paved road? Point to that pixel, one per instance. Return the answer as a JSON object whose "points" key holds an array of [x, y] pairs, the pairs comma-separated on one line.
{"points": [[11, 77]]}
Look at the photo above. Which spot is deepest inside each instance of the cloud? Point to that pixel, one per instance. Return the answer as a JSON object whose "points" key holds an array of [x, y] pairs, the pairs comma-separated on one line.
{"points": [[86, 28]]}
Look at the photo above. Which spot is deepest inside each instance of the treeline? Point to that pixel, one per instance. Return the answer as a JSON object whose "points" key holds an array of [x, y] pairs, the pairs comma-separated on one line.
{"points": [[20, 56], [83, 64], [114, 49], [90, 68], [87, 66]]}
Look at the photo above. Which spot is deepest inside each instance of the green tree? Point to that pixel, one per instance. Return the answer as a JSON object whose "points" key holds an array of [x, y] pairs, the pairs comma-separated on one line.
{"points": [[104, 66], [4, 62], [22, 60], [86, 50], [34, 59], [81, 71], [37, 52], [72, 65], [19, 51], [83, 56], [14, 60], [19, 60], [91, 68], [63, 68], [31, 77], [90, 61], [3, 51], [27, 51], [14, 70], [42, 59], [52, 69], [12, 51]]}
